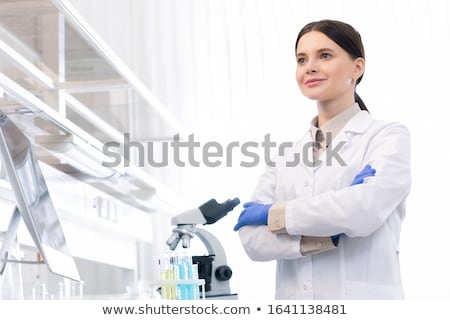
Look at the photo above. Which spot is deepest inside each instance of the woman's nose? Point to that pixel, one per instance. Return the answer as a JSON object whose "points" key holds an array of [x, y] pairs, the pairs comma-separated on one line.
{"points": [[311, 68]]}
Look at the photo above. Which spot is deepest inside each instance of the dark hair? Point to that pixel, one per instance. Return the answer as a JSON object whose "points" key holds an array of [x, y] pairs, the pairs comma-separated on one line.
{"points": [[345, 36]]}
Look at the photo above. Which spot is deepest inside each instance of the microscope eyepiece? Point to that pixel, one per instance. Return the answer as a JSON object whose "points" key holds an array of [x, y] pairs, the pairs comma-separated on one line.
{"points": [[213, 211]]}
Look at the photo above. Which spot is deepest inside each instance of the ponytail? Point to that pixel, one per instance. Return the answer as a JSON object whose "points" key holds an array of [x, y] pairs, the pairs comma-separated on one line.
{"points": [[361, 103]]}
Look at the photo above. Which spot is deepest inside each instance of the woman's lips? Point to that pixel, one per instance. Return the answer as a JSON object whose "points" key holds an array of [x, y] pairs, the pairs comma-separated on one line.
{"points": [[314, 82]]}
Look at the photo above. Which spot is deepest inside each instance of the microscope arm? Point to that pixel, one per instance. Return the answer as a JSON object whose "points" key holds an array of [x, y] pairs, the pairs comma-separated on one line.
{"points": [[212, 245], [220, 271]]}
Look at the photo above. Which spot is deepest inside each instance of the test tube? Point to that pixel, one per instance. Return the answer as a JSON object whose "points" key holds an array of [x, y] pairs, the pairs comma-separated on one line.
{"points": [[185, 271], [195, 287], [167, 272], [181, 274], [179, 268]]}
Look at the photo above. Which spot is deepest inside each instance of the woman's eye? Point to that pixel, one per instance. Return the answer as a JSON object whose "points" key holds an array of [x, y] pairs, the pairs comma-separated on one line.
{"points": [[325, 55], [301, 60]]}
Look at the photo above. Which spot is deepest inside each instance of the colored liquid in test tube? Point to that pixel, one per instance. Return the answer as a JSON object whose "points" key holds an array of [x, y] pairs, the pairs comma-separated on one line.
{"points": [[167, 272], [184, 271], [180, 275], [195, 287], [179, 270]]}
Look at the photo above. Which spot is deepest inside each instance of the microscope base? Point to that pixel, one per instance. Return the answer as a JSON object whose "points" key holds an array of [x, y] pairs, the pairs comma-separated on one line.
{"points": [[231, 296]]}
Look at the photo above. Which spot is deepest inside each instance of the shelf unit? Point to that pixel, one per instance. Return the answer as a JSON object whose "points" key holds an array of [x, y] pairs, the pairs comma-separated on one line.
{"points": [[70, 95]]}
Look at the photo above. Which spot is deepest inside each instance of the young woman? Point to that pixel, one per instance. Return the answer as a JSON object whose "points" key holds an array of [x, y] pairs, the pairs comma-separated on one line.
{"points": [[333, 222]]}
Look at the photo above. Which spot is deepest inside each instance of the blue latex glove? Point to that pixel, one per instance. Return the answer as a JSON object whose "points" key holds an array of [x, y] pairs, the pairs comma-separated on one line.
{"points": [[367, 171], [254, 213]]}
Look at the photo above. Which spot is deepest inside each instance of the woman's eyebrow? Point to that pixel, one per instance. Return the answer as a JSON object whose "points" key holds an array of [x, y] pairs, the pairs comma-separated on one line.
{"points": [[318, 51]]}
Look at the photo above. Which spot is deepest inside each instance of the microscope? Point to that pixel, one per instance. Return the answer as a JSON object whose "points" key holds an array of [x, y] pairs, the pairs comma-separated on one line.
{"points": [[212, 268]]}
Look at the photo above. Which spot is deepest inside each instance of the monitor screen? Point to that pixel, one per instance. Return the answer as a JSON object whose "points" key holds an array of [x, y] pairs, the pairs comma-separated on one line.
{"points": [[33, 199]]}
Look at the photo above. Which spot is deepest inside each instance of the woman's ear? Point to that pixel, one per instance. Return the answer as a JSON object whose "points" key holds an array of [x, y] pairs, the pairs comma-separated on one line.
{"points": [[360, 65]]}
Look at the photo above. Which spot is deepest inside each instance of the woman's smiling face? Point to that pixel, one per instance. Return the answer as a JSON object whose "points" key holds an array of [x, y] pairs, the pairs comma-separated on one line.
{"points": [[325, 71]]}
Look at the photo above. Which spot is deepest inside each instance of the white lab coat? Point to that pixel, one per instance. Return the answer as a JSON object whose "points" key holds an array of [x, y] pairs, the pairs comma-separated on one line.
{"points": [[365, 265]]}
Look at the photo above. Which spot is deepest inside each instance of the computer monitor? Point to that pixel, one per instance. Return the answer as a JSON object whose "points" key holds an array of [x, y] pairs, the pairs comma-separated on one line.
{"points": [[33, 199]]}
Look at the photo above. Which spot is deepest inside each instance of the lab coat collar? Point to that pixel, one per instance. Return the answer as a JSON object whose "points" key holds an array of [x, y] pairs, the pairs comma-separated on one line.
{"points": [[357, 125]]}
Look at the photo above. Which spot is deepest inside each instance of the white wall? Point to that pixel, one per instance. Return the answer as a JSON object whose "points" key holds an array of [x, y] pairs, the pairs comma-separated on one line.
{"points": [[226, 68]]}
